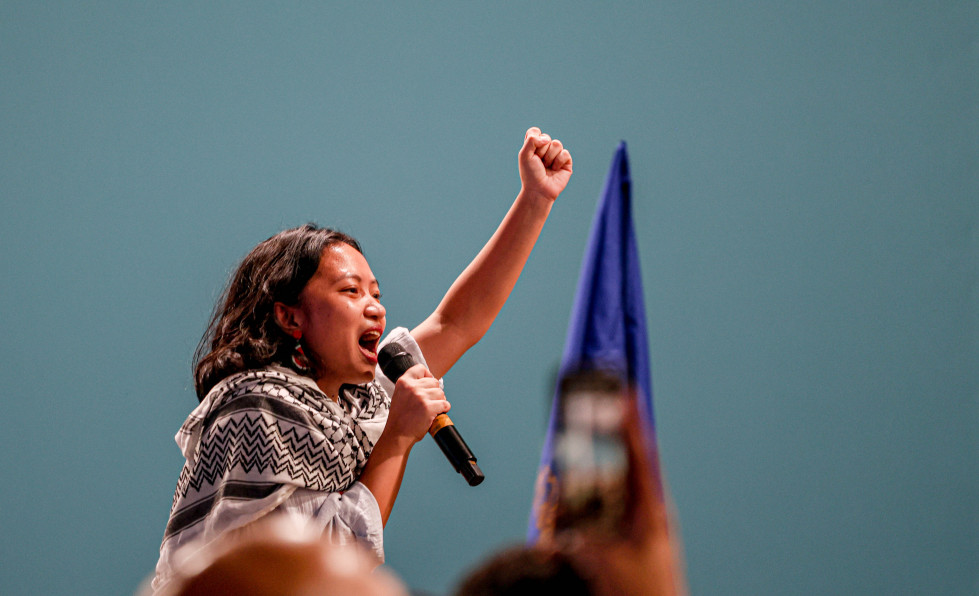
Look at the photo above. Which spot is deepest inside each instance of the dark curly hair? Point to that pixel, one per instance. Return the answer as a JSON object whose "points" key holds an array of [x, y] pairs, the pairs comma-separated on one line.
{"points": [[242, 333]]}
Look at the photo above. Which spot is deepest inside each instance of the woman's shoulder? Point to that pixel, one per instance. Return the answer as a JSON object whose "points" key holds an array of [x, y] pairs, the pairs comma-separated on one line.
{"points": [[265, 385], [271, 380]]}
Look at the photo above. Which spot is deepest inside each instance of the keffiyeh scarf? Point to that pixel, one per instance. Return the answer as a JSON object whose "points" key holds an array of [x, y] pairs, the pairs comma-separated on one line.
{"points": [[259, 435]]}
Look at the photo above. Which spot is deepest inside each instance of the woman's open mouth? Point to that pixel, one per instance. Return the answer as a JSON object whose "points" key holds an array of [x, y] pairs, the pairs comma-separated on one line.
{"points": [[368, 344]]}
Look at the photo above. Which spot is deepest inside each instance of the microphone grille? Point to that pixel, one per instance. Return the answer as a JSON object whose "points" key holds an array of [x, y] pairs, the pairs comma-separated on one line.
{"points": [[394, 360]]}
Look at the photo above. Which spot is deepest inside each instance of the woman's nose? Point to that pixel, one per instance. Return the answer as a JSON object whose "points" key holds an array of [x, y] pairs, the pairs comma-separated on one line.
{"points": [[375, 308]]}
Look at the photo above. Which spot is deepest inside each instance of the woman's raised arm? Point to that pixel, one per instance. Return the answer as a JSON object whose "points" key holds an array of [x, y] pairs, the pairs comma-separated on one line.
{"points": [[477, 295]]}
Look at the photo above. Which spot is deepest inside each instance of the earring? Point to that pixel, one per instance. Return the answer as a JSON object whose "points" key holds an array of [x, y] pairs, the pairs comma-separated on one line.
{"points": [[299, 358]]}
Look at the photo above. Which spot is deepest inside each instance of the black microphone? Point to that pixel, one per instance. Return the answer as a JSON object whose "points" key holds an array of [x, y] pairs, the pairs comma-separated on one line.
{"points": [[394, 361]]}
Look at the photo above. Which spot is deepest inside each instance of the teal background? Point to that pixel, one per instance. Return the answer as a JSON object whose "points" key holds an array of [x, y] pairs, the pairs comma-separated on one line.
{"points": [[806, 203]]}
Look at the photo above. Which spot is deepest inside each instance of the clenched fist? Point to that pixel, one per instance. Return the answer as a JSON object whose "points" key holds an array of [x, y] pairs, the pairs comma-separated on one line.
{"points": [[545, 165]]}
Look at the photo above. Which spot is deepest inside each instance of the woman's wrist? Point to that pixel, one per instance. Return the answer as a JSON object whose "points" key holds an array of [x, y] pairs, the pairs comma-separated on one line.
{"points": [[395, 443], [535, 199]]}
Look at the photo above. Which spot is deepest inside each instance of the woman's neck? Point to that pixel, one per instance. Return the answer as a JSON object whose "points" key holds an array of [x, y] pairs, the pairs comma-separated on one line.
{"points": [[330, 388]]}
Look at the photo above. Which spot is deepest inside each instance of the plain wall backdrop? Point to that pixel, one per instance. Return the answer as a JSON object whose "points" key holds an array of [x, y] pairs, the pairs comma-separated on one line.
{"points": [[806, 187]]}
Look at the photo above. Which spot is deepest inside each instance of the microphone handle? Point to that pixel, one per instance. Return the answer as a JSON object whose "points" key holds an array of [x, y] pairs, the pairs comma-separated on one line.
{"points": [[455, 449]]}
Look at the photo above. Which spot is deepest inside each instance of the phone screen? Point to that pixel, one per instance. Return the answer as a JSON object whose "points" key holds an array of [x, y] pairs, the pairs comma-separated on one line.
{"points": [[590, 453]]}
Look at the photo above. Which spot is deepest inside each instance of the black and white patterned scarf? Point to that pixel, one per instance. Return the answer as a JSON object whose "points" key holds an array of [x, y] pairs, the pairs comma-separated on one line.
{"points": [[259, 435]]}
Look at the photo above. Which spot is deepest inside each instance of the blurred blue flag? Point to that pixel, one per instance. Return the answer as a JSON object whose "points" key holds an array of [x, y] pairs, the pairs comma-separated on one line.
{"points": [[608, 321]]}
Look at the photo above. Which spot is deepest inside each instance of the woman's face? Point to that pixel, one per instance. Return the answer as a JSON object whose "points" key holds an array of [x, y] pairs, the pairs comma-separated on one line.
{"points": [[341, 319]]}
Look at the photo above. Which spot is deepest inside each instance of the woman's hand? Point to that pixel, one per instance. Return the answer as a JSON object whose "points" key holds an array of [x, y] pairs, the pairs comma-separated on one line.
{"points": [[417, 400], [545, 165]]}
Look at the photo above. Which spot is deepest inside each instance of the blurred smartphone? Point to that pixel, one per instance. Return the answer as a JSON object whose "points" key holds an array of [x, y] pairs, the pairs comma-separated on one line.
{"points": [[590, 453]]}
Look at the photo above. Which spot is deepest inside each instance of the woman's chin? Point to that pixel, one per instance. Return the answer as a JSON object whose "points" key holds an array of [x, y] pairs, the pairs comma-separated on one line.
{"points": [[365, 376]]}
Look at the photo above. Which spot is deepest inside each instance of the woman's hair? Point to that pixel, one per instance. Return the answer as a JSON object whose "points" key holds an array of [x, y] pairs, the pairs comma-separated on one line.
{"points": [[242, 333]]}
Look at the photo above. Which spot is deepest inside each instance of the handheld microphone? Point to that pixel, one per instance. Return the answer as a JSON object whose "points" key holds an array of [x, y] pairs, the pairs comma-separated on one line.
{"points": [[394, 361]]}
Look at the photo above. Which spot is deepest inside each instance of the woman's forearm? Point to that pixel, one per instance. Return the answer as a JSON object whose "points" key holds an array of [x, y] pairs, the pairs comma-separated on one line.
{"points": [[479, 293], [384, 470], [473, 301]]}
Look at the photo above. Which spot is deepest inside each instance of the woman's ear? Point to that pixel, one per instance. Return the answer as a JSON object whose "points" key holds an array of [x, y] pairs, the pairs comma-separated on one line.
{"points": [[287, 317]]}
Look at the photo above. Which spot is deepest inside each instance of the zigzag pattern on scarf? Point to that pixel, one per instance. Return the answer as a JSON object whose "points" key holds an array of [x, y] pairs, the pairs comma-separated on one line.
{"points": [[262, 431], [265, 426], [257, 443]]}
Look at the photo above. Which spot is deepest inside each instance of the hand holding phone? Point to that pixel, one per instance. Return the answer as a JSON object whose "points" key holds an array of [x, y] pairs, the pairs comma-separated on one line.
{"points": [[610, 497], [590, 454]]}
